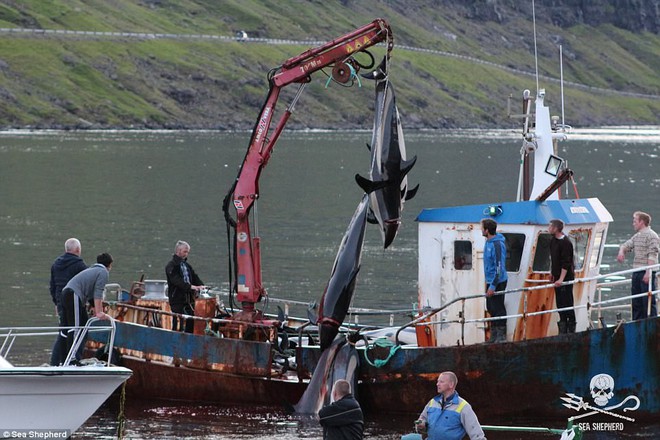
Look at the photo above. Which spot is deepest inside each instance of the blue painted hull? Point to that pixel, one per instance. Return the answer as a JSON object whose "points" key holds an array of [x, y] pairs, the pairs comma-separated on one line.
{"points": [[526, 378]]}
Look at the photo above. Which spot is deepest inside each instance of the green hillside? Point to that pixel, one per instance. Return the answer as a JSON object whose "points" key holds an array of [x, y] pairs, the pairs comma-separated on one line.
{"points": [[180, 77]]}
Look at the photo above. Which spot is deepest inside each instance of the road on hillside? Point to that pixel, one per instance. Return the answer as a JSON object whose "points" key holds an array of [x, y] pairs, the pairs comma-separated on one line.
{"points": [[243, 37]]}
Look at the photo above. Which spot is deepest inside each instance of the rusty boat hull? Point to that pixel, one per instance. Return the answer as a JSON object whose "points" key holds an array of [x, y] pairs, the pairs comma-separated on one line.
{"points": [[525, 379], [522, 379], [165, 382], [179, 366]]}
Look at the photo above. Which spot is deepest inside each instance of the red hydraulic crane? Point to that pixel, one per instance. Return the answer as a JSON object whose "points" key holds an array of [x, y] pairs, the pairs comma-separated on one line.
{"points": [[339, 53]]}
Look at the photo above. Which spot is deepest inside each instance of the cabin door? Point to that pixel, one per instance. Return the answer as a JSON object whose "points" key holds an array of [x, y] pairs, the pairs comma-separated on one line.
{"points": [[462, 275]]}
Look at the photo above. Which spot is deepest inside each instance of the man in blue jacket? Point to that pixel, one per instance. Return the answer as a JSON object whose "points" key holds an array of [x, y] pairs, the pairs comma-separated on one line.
{"points": [[496, 277], [65, 267], [448, 416]]}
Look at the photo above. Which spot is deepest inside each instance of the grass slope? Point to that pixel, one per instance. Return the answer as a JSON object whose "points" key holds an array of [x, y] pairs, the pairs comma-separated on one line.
{"points": [[77, 82]]}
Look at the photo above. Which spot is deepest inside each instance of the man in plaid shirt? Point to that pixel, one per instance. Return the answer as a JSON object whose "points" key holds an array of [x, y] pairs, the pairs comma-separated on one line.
{"points": [[645, 244]]}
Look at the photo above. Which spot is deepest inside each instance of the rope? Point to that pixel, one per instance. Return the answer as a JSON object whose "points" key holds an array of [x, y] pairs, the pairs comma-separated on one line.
{"points": [[208, 331], [121, 418], [383, 343], [355, 75]]}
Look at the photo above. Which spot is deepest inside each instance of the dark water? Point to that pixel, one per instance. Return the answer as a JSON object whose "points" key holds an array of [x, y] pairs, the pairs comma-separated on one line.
{"points": [[135, 194], [158, 420]]}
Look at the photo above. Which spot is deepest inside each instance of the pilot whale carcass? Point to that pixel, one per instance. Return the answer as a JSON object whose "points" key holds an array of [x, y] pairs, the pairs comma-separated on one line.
{"points": [[387, 184], [339, 361], [338, 293]]}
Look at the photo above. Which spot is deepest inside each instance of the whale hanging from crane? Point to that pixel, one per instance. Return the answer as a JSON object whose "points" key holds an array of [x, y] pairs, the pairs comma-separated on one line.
{"points": [[387, 184], [338, 293]]}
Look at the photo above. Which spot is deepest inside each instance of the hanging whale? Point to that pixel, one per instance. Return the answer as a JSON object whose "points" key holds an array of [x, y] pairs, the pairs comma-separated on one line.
{"points": [[387, 184], [338, 293], [339, 361]]}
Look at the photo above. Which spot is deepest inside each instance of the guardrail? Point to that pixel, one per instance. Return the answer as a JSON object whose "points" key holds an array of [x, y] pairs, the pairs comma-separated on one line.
{"points": [[423, 320], [428, 313], [11, 333], [239, 326]]}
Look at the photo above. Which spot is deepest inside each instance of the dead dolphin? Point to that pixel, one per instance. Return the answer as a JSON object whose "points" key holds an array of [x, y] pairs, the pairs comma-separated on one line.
{"points": [[339, 361], [315, 394], [344, 366], [387, 185], [338, 292]]}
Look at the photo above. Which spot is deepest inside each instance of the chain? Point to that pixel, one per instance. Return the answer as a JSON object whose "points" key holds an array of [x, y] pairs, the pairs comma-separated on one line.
{"points": [[121, 418]]}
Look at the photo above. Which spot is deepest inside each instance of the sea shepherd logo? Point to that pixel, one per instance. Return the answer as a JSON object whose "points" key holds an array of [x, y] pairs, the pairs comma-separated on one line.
{"points": [[602, 391]]}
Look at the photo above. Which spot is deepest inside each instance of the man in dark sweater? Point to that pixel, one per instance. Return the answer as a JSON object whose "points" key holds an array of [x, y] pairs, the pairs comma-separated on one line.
{"points": [[183, 286], [65, 267], [342, 419], [562, 270]]}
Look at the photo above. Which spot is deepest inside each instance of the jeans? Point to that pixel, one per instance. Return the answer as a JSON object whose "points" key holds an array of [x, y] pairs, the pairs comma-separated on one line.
{"points": [[640, 305]]}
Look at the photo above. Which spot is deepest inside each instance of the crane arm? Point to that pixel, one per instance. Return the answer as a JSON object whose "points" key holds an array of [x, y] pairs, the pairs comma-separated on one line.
{"points": [[245, 190]]}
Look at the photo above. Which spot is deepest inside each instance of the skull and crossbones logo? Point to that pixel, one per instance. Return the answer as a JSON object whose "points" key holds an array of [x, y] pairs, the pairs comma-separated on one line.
{"points": [[602, 388]]}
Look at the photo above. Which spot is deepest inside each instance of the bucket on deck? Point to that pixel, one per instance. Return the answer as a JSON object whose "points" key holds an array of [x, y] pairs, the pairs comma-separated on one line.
{"points": [[155, 289]]}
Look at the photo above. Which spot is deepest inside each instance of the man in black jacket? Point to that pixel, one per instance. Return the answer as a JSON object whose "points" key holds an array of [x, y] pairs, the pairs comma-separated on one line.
{"points": [[183, 285], [562, 270], [342, 419], [65, 267]]}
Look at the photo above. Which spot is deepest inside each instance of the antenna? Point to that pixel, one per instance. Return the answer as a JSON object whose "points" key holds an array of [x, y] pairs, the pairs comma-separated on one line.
{"points": [[561, 82], [536, 55]]}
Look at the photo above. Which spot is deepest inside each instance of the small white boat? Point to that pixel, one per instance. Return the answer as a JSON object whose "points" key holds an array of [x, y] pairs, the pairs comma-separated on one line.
{"points": [[57, 400]]}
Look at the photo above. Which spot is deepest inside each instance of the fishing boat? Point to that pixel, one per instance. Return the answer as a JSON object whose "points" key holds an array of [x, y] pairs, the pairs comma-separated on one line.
{"points": [[52, 401], [249, 358]]}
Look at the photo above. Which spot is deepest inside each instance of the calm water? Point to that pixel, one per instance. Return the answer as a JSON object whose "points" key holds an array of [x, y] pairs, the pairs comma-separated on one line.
{"points": [[135, 194]]}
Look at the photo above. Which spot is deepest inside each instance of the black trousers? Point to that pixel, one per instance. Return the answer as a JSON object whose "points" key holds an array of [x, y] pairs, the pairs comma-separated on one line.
{"points": [[74, 313], [59, 353], [495, 305], [564, 298], [183, 324]]}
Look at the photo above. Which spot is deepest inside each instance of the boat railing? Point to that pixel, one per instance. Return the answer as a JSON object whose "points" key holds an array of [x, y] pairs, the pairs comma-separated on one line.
{"points": [[601, 306], [269, 330], [10, 334], [81, 336], [424, 319], [151, 316], [352, 311]]}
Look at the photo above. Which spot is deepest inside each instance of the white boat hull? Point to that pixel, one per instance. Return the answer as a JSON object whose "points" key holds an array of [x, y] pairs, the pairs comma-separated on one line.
{"points": [[54, 398]]}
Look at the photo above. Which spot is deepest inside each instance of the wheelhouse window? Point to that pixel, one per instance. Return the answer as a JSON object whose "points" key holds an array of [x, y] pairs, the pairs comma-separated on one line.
{"points": [[580, 241], [597, 249], [463, 255], [515, 243], [542, 261], [542, 255]]}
